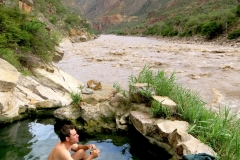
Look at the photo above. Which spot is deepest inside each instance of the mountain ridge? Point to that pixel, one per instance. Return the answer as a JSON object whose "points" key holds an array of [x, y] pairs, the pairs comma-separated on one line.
{"points": [[208, 18]]}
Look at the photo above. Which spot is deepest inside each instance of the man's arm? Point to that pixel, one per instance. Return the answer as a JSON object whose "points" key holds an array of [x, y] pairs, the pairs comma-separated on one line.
{"points": [[76, 147], [93, 154]]}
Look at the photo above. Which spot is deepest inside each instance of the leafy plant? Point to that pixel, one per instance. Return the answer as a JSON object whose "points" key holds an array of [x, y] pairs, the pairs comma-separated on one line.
{"points": [[76, 98], [119, 89], [238, 11], [158, 110], [163, 85], [72, 19], [24, 37], [234, 34], [211, 29], [146, 75]]}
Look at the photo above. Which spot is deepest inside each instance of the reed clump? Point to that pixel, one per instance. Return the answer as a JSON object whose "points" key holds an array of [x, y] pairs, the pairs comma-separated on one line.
{"points": [[219, 130]]}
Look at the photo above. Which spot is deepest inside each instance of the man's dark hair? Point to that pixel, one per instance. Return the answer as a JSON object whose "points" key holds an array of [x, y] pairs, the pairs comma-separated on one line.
{"points": [[65, 132]]}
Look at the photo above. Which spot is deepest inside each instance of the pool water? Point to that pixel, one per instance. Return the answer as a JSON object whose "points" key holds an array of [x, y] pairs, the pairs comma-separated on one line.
{"points": [[34, 139]]}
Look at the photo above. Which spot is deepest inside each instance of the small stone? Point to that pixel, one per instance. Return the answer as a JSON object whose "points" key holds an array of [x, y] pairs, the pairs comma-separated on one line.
{"points": [[87, 91]]}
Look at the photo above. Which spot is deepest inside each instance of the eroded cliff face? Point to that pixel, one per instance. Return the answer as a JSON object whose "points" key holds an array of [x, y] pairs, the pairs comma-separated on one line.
{"points": [[104, 13]]}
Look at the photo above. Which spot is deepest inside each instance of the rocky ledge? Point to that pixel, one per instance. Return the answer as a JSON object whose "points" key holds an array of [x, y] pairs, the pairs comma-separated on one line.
{"points": [[102, 110]]}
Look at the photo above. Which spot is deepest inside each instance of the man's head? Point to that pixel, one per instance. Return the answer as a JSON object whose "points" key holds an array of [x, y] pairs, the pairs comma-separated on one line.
{"points": [[68, 132]]}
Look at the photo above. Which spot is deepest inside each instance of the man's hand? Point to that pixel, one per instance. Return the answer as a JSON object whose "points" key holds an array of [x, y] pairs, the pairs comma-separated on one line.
{"points": [[95, 153], [91, 146]]}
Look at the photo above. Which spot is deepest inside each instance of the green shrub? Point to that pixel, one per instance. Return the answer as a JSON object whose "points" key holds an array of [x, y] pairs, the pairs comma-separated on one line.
{"points": [[159, 82], [145, 76], [192, 21], [10, 56], [53, 19], [234, 34], [119, 89], [40, 6], [173, 33], [163, 84], [60, 9], [23, 36], [211, 29], [166, 30], [150, 31], [238, 11], [76, 98], [72, 19], [120, 33]]}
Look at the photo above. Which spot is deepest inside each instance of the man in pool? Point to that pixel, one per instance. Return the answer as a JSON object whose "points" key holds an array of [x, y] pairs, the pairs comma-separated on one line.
{"points": [[69, 140]]}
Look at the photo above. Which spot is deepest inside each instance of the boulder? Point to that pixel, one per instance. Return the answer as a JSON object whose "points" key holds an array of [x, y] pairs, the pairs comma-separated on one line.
{"points": [[101, 95], [136, 91], [59, 51], [167, 103], [57, 57], [185, 144], [67, 113], [21, 96], [169, 133], [9, 76], [58, 54], [56, 78]]}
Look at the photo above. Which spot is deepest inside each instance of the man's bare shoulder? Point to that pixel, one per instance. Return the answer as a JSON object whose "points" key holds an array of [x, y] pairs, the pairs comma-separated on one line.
{"points": [[59, 152]]}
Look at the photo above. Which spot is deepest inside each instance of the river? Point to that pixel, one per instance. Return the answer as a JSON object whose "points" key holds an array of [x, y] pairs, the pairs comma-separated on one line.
{"points": [[211, 70]]}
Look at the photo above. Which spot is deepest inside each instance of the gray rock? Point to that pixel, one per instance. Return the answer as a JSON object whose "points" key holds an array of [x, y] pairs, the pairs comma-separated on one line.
{"points": [[87, 91], [172, 133], [9, 76]]}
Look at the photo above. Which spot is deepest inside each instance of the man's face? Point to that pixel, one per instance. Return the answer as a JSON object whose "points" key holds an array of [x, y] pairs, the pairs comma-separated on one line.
{"points": [[73, 136]]}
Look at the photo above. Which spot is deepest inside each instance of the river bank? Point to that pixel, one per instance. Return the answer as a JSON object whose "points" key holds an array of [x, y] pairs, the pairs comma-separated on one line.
{"points": [[210, 69]]}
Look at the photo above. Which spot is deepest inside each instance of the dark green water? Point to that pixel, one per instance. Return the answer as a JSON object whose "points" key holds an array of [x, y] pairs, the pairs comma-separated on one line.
{"points": [[34, 139]]}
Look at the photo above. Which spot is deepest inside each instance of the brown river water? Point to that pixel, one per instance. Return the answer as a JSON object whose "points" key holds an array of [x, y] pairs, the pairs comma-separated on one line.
{"points": [[211, 70]]}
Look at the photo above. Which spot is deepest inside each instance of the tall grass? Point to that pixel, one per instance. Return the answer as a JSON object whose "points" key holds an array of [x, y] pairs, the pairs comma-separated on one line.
{"points": [[76, 98], [219, 130]]}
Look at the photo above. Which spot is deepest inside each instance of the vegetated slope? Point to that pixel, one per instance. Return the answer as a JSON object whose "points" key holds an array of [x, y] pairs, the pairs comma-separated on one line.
{"points": [[208, 18], [29, 38]]}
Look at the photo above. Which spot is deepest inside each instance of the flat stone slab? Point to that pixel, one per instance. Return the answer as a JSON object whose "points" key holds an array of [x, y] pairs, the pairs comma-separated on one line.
{"points": [[166, 102]]}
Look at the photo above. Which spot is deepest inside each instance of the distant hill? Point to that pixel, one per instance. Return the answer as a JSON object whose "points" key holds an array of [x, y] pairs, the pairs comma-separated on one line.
{"points": [[161, 17], [109, 12]]}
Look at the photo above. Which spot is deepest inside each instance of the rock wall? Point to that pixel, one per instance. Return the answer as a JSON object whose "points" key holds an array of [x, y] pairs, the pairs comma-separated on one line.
{"points": [[171, 135], [21, 95], [105, 110]]}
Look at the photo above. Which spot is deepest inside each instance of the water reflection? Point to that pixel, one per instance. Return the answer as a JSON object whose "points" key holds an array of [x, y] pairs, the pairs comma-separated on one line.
{"points": [[110, 152], [11, 144], [34, 139], [43, 140], [27, 140]]}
